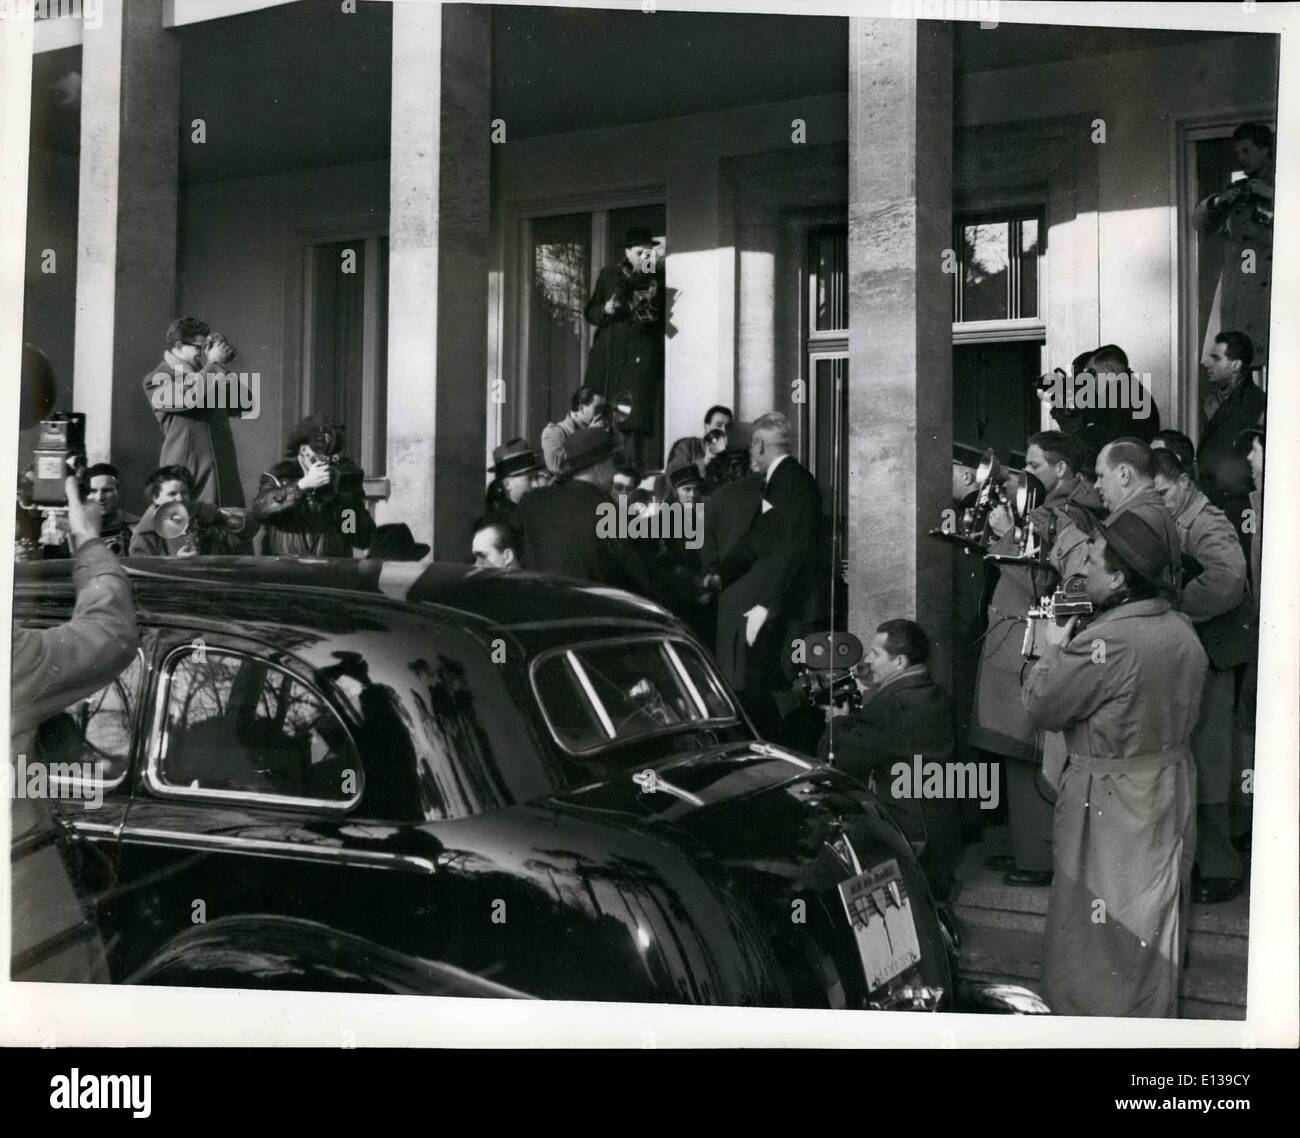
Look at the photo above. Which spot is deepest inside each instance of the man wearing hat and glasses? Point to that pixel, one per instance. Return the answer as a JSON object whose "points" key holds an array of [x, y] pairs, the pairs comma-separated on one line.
{"points": [[559, 522], [627, 356], [515, 469], [1126, 692]]}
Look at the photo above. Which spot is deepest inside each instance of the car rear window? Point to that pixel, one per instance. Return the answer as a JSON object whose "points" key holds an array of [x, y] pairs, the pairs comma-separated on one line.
{"points": [[596, 694]]}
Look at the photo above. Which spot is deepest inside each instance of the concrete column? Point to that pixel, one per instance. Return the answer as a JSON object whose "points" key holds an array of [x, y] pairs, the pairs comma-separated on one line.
{"points": [[437, 270], [900, 320], [126, 228]]}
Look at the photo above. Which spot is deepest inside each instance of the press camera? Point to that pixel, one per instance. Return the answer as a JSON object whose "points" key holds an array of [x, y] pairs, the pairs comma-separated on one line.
{"points": [[60, 450], [826, 676], [1068, 601]]}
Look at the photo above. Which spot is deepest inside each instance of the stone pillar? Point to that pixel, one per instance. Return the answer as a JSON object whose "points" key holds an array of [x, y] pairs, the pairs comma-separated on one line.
{"points": [[437, 270], [126, 229], [900, 321]]}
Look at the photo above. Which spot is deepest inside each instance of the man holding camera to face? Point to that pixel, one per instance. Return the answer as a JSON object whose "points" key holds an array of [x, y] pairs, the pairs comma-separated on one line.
{"points": [[313, 503]]}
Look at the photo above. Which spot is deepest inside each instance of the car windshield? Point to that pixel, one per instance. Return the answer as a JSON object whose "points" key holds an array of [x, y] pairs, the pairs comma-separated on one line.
{"points": [[594, 695]]}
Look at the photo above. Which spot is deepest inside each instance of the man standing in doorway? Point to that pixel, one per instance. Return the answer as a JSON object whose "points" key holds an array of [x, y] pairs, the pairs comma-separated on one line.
{"points": [[627, 356]]}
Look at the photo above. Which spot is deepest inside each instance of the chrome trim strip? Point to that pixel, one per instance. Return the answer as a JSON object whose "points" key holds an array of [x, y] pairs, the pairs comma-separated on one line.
{"points": [[223, 843], [685, 677], [774, 752], [578, 670]]}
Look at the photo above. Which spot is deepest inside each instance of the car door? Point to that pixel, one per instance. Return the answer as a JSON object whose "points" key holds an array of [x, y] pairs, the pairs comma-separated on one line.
{"points": [[247, 802]]}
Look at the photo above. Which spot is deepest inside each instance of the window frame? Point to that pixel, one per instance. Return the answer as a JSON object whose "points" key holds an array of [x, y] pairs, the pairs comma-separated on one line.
{"points": [[158, 727], [1007, 328], [106, 786], [679, 670]]}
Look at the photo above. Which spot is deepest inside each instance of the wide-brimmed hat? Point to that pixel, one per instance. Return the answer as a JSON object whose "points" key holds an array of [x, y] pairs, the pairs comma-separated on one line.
{"points": [[514, 457], [638, 235], [395, 542], [587, 447], [1141, 548]]}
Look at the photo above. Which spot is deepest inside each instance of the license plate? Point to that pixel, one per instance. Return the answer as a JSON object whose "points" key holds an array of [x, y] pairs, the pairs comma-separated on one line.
{"points": [[880, 913]]}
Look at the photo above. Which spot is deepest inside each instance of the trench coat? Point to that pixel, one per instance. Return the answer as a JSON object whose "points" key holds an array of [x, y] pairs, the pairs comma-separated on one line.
{"points": [[1000, 724], [1124, 827], [1242, 297], [52, 669], [187, 432], [1217, 588]]}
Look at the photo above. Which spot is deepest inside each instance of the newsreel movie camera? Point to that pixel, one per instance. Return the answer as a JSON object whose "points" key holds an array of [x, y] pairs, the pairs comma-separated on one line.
{"points": [[1070, 600], [826, 677], [998, 485], [60, 450]]}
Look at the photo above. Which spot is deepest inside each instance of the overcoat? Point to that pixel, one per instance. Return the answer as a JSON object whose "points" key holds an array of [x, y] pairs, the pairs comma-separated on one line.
{"points": [[1222, 471], [999, 723], [628, 352], [1245, 287], [1126, 692], [309, 523]]}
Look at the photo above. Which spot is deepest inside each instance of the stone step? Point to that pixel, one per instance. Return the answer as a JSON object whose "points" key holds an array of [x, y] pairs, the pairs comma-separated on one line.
{"points": [[1201, 940], [983, 891], [1213, 986]]}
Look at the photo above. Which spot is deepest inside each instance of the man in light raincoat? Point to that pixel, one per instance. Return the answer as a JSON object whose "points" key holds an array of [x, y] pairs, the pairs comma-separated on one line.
{"points": [[1125, 691]]}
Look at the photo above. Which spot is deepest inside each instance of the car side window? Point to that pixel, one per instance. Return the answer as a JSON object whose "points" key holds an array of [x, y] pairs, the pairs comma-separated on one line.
{"points": [[235, 724], [90, 741]]}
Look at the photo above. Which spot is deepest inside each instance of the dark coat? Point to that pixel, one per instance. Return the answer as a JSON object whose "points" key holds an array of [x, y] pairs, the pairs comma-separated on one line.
{"points": [[628, 353], [729, 513], [309, 523], [558, 525], [911, 716], [1223, 472], [1097, 426]]}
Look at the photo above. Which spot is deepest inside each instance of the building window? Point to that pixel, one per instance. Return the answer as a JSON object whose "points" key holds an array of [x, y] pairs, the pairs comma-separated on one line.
{"points": [[345, 339], [997, 272]]}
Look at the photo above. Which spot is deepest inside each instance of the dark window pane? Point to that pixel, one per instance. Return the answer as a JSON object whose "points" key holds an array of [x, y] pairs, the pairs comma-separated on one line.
{"points": [[985, 271], [97, 729], [830, 443], [561, 280], [1029, 254], [830, 261], [236, 723]]}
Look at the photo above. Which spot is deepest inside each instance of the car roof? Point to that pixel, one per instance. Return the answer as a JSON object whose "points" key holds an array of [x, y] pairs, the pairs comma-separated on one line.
{"points": [[500, 599]]}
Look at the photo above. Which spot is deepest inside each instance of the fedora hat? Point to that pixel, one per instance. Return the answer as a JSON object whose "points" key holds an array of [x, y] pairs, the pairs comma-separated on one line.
{"points": [[1140, 548], [587, 447], [514, 457], [638, 235], [394, 542]]}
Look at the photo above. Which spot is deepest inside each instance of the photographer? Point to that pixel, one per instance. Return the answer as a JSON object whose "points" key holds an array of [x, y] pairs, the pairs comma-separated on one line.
{"points": [[1124, 827], [54, 935], [1241, 214], [717, 425], [208, 530], [313, 503], [192, 349], [627, 356], [906, 714]]}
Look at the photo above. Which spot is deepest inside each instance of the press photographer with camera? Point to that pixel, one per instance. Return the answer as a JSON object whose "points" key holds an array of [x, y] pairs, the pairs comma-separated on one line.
{"points": [[1241, 215], [905, 714], [1124, 826], [313, 503], [688, 450], [188, 420], [175, 525], [627, 355], [54, 935]]}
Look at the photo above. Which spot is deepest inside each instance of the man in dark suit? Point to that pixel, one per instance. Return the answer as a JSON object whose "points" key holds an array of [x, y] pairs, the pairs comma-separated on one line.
{"points": [[908, 714], [1235, 405], [566, 526], [777, 561]]}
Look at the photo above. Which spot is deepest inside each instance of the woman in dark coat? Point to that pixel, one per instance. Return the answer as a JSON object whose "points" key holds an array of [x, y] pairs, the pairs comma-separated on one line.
{"points": [[627, 357]]}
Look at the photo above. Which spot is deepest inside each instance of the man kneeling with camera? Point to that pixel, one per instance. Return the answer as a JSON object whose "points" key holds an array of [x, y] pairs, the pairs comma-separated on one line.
{"points": [[313, 504], [905, 715]]}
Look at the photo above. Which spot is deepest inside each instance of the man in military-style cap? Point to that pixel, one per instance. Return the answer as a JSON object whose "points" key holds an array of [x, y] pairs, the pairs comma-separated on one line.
{"points": [[1126, 693]]}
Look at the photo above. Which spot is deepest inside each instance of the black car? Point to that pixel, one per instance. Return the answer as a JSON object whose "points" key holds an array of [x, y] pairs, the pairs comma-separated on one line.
{"points": [[331, 774]]}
